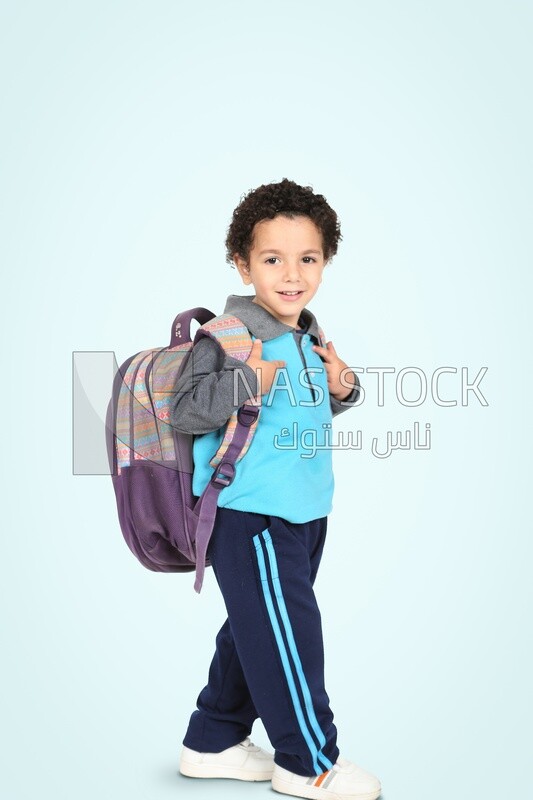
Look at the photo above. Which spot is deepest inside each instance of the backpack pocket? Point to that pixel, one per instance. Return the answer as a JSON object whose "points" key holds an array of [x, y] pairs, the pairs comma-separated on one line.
{"points": [[153, 517]]}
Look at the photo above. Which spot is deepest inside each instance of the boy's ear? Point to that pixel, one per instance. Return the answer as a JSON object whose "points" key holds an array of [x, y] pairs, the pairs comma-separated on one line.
{"points": [[243, 268]]}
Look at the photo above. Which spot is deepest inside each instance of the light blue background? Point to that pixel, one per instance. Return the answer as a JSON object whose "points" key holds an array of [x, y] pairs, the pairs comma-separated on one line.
{"points": [[130, 131]]}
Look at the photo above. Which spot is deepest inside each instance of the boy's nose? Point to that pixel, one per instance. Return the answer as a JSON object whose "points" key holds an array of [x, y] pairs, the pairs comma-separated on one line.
{"points": [[292, 272]]}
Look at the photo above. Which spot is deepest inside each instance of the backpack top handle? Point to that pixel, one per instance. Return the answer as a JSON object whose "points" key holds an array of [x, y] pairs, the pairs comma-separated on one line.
{"points": [[180, 332]]}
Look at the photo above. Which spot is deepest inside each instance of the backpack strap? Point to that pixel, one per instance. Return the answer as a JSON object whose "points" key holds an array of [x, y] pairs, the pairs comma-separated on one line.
{"points": [[231, 334], [234, 338]]}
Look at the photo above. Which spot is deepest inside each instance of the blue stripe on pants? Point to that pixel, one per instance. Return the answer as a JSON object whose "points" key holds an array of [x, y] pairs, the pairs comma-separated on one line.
{"points": [[315, 753], [294, 651]]}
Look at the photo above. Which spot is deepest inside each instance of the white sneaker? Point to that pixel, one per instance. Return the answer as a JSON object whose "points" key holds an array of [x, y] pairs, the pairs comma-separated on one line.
{"points": [[345, 781], [244, 762]]}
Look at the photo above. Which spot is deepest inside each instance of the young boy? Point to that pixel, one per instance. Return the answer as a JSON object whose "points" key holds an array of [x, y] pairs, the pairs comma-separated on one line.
{"points": [[271, 520]]}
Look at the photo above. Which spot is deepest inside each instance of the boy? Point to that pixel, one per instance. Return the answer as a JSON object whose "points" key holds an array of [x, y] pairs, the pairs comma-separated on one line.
{"points": [[271, 521]]}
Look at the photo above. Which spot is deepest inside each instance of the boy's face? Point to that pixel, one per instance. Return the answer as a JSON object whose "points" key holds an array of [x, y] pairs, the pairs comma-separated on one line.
{"points": [[285, 265]]}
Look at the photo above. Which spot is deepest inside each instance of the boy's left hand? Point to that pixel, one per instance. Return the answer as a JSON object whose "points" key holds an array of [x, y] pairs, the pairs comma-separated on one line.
{"points": [[334, 367]]}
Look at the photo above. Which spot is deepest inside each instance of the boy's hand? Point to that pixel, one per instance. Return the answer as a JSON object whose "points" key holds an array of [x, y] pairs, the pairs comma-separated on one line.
{"points": [[334, 367], [265, 370]]}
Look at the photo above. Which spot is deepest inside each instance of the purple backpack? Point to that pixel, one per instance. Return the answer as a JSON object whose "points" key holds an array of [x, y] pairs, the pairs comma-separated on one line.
{"points": [[164, 525]]}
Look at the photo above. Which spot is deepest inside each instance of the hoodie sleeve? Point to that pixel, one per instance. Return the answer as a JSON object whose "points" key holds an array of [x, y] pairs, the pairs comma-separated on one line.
{"points": [[338, 406], [210, 388]]}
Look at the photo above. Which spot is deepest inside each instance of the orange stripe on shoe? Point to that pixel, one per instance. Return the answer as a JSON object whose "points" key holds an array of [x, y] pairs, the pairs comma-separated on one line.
{"points": [[321, 778]]}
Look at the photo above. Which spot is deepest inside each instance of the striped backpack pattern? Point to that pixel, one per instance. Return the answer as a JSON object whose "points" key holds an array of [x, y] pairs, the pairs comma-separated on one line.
{"points": [[151, 463], [237, 343]]}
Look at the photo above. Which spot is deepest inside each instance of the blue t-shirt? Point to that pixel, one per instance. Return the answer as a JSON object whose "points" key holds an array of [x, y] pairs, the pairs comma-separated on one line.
{"points": [[287, 471]]}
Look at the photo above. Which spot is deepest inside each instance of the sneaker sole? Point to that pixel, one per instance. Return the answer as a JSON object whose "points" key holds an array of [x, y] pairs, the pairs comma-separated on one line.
{"points": [[218, 771], [316, 793]]}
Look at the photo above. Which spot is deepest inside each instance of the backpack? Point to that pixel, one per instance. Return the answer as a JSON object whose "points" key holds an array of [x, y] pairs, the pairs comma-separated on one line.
{"points": [[151, 463]]}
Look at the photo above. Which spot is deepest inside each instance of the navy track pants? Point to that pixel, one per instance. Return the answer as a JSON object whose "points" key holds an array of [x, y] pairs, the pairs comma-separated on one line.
{"points": [[269, 658]]}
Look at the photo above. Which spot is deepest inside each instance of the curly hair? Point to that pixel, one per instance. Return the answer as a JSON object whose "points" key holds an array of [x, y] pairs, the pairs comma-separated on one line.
{"points": [[289, 199]]}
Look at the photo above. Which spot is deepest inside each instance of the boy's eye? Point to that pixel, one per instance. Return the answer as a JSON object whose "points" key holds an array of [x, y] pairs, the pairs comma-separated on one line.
{"points": [[306, 259]]}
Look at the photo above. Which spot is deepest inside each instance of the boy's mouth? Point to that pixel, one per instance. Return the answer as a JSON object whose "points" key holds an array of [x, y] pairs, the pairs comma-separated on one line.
{"points": [[291, 295]]}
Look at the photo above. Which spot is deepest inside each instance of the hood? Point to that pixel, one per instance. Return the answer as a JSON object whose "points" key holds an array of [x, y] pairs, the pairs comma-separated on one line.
{"points": [[261, 323]]}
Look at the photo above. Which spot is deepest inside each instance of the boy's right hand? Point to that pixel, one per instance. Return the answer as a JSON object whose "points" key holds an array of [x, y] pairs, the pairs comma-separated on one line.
{"points": [[265, 370]]}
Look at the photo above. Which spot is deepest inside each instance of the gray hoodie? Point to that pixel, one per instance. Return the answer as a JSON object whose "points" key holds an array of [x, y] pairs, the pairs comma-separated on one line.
{"points": [[205, 392]]}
